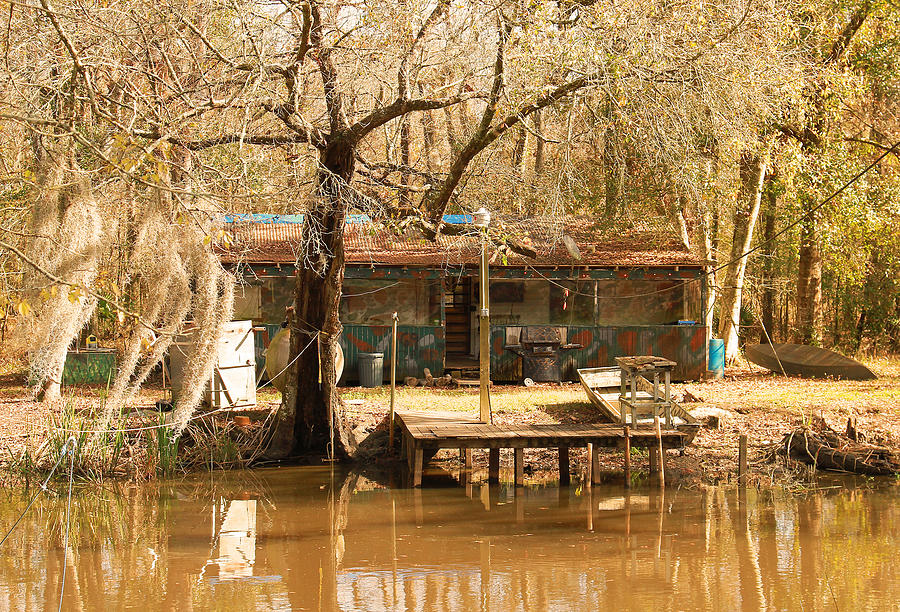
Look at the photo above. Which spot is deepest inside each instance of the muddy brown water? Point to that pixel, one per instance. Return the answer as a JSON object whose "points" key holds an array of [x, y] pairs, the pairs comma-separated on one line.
{"points": [[314, 539]]}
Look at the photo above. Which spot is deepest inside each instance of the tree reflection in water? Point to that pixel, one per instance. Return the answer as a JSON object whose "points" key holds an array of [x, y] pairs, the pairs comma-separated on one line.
{"points": [[313, 538]]}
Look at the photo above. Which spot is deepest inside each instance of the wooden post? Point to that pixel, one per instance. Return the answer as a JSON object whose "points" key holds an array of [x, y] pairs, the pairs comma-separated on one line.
{"points": [[655, 390], [633, 378], [654, 459], [393, 378], [494, 465], [742, 460], [594, 451], [661, 451], [468, 459], [589, 479], [564, 476], [627, 457], [668, 383], [519, 466], [484, 334]]}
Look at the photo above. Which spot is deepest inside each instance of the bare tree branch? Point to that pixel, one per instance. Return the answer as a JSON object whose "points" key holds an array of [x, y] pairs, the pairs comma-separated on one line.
{"points": [[398, 108], [842, 42], [438, 198]]}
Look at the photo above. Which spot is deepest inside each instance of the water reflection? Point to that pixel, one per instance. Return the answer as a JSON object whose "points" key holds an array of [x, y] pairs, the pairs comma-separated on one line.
{"points": [[237, 539], [305, 538]]}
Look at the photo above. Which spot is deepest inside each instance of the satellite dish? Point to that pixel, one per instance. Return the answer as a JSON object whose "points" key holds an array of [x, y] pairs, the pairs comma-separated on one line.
{"points": [[571, 247]]}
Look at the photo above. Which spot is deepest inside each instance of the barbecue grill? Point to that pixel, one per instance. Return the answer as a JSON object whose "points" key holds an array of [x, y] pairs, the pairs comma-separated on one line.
{"points": [[540, 347]]}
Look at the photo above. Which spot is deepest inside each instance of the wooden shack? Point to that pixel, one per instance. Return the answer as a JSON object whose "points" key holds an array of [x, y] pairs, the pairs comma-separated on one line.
{"points": [[614, 295]]}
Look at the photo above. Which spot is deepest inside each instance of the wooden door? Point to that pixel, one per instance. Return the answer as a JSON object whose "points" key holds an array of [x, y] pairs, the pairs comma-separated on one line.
{"points": [[458, 311]]}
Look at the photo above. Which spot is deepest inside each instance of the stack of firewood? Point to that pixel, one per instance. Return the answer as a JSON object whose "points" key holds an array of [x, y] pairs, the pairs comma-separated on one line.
{"points": [[440, 382]]}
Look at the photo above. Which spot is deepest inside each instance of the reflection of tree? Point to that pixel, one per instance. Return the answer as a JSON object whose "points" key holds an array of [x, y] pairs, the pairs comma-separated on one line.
{"points": [[751, 586], [809, 531], [327, 541]]}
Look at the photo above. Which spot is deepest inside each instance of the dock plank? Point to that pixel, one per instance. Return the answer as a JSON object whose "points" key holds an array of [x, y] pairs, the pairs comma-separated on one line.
{"points": [[441, 429]]}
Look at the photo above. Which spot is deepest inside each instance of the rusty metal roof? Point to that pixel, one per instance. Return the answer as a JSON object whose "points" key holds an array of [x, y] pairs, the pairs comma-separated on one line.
{"points": [[377, 243]]}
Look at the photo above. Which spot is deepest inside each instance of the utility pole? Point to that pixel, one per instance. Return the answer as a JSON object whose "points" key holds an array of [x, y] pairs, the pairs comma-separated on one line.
{"points": [[482, 219]]}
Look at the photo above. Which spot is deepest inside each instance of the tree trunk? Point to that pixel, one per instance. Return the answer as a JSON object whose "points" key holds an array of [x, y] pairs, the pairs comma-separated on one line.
{"points": [[429, 143], [814, 141], [310, 419], [753, 172], [809, 281], [768, 290], [613, 165], [523, 202], [870, 287], [538, 145], [710, 226], [518, 157], [681, 216], [404, 162]]}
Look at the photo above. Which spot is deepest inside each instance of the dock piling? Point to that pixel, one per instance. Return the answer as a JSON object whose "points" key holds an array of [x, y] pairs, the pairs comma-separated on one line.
{"points": [[594, 453], [465, 457], [743, 466], [589, 470], [418, 460], [661, 454], [627, 434], [519, 466], [393, 378], [494, 465], [564, 476]]}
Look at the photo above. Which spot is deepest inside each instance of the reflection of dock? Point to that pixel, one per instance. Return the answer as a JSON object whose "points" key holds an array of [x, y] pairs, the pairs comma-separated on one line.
{"points": [[430, 431]]}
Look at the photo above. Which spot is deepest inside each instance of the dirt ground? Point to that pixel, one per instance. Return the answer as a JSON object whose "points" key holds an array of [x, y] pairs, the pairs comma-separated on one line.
{"points": [[750, 401]]}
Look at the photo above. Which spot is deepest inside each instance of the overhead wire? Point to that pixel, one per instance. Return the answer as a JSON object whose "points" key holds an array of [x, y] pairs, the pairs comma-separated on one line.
{"points": [[62, 586], [43, 487]]}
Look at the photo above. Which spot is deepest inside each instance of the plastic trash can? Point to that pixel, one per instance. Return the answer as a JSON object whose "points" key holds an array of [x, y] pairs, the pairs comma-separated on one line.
{"points": [[716, 357], [371, 369]]}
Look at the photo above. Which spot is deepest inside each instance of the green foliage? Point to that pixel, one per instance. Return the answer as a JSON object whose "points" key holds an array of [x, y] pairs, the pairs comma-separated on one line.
{"points": [[97, 453], [162, 448]]}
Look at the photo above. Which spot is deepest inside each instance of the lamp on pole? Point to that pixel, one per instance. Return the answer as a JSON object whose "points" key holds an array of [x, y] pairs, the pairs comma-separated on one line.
{"points": [[481, 220]]}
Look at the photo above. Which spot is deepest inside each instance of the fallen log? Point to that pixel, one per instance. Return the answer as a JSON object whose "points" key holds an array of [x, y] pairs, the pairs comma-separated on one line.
{"points": [[808, 447]]}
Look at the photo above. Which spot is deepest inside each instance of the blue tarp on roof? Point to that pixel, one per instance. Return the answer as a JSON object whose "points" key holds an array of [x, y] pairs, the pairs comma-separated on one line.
{"points": [[352, 219]]}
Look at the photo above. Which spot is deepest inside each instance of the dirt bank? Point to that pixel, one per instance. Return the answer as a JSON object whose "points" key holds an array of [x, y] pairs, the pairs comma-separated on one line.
{"points": [[747, 401]]}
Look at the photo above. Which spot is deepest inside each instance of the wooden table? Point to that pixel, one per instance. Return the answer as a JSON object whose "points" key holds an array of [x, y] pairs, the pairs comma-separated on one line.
{"points": [[645, 366]]}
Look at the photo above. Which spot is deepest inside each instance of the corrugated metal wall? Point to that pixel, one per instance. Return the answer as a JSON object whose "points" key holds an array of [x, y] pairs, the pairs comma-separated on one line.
{"points": [[418, 347], [683, 344]]}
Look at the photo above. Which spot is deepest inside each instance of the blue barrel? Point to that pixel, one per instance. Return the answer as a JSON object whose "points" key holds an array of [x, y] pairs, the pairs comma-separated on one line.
{"points": [[371, 369], [717, 357]]}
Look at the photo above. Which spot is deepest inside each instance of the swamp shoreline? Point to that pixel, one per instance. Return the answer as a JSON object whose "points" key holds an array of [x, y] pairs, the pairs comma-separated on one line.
{"points": [[748, 401]]}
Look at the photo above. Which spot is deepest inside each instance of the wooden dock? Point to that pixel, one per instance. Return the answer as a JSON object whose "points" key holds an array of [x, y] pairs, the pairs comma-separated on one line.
{"points": [[424, 432]]}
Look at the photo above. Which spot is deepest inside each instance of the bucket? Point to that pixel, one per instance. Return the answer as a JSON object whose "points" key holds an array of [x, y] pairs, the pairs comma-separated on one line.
{"points": [[717, 357], [371, 369]]}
